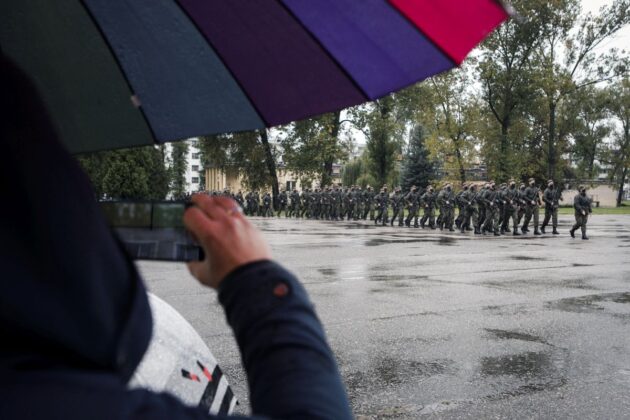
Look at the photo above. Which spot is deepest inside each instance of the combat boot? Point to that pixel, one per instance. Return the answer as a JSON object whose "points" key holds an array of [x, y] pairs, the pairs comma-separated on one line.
{"points": [[450, 229], [496, 233], [477, 231], [515, 232], [523, 230], [572, 233], [555, 231], [537, 232], [542, 229], [584, 236]]}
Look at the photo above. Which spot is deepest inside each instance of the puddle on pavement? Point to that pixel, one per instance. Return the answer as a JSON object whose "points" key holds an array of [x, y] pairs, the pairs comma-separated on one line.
{"points": [[386, 370], [526, 258], [328, 271], [522, 365], [444, 241], [590, 303], [534, 371], [514, 335]]}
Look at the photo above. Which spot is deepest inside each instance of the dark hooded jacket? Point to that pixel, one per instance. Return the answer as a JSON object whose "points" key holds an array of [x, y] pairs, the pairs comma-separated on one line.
{"points": [[74, 315]]}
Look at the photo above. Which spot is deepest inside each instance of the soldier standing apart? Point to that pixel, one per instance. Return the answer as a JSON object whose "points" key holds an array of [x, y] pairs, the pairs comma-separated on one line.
{"points": [[428, 200], [398, 206], [582, 206], [552, 197], [412, 200], [382, 202], [532, 200]]}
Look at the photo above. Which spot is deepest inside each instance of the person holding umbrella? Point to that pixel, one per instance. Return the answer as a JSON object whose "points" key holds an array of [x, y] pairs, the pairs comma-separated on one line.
{"points": [[74, 314]]}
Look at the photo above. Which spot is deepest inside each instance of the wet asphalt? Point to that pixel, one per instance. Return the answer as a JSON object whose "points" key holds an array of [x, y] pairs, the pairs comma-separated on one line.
{"points": [[430, 324]]}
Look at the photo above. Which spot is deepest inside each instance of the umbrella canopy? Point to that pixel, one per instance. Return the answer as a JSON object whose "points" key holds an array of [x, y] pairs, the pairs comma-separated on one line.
{"points": [[122, 73]]}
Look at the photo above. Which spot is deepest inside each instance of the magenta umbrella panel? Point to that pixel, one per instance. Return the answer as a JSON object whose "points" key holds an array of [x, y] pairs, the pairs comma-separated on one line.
{"points": [[123, 73]]}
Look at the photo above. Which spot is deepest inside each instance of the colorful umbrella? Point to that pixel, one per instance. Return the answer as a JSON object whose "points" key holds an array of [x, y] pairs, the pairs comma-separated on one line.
{"points": [[122, 73]]}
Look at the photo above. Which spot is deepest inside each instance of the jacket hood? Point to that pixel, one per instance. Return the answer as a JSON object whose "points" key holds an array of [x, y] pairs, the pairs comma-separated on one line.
{"points": [[69, 295]]}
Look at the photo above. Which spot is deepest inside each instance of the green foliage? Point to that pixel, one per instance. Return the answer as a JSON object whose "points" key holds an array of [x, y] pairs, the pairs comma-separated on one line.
{"points": [[418, 168], [618, 152], [311, 146], [242, 152], [138, 173]]}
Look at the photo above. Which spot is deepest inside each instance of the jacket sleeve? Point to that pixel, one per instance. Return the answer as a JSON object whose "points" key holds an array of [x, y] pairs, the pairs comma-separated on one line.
{"points": [[290, 368]]}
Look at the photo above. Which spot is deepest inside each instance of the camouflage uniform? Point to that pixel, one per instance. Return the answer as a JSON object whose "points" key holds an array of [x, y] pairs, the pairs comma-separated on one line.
{"points": [[551, 197], [583, 207]]}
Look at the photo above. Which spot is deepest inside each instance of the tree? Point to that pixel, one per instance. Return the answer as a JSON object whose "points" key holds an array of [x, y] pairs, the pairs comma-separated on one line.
{"points": [[138, 173], [619, 150], [179, 160], [312, 146], [383, 126], [454, 117], [244, 153], [568, 60], [589, 128], [505, 76], [418, 169]]}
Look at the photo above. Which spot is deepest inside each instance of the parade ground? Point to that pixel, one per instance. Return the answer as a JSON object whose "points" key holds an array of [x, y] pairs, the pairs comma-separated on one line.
{"points": [[450, 325]]}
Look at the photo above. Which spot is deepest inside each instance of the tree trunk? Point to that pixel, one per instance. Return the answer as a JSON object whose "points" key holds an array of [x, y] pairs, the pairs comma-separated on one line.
{"points": [[271, 166], [503, 148], [329, 160], [460, 162], [551, 155], [622, 181]]}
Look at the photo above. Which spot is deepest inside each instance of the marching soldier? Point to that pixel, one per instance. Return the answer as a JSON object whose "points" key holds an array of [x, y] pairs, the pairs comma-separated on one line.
{"points": [[532, 200], [428, 201], [398, 206], [461, 206], [446, 201], [294, 207], [382, 203], [582, 206], [511, 198], [412, 199], [481, 205], [551, 197], [472, 210], [490, 199], [267, 210], [521, 203], [368, 199], [283, 200]]}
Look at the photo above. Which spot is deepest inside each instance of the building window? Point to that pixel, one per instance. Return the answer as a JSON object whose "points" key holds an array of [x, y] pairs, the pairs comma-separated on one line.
{"points": [[195, 180], [195, 143], [195, 167], [195, 155]]}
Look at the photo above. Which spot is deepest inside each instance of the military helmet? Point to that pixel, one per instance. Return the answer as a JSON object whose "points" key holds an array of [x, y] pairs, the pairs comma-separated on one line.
{"points": [[550, 182], [581, 188]]}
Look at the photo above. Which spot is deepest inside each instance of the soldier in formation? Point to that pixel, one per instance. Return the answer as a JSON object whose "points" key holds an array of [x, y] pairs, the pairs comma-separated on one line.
{"points": [[482, 209]]}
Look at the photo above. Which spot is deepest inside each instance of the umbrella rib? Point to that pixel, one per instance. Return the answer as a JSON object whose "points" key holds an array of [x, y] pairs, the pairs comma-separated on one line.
{"points": [[225, 64], [323, 47], [133, 98]]}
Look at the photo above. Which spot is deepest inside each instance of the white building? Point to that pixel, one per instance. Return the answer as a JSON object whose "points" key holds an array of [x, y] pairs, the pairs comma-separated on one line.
{"points": [[194, 166]]}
